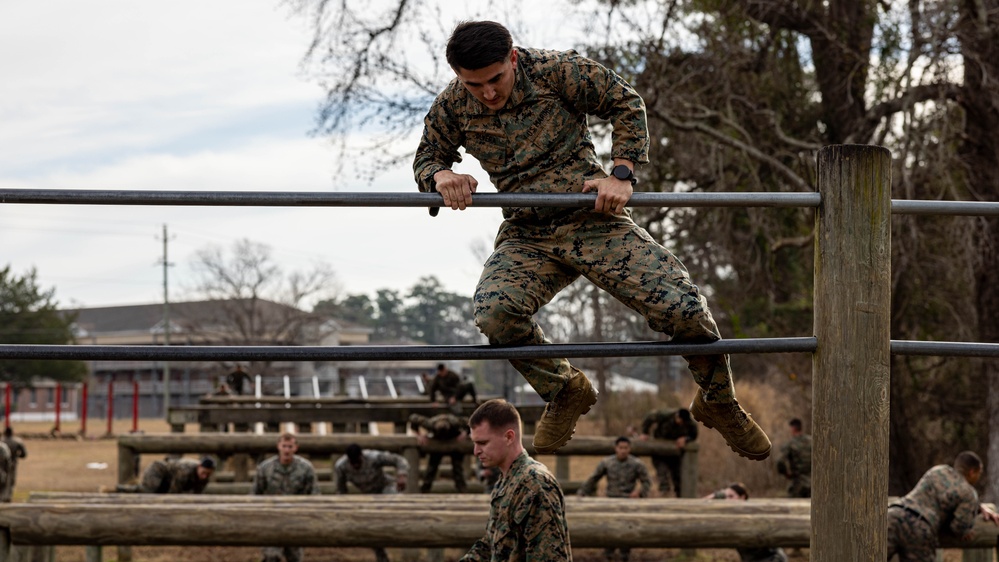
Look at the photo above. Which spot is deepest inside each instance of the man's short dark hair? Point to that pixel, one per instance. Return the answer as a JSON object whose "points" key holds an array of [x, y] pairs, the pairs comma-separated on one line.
{"points": [[684, 415], [208, 463], [740, 489], [795, 423], [354, 453], [499, 413], [478, 44], [967, 461], [441, 366], [622, 439]]}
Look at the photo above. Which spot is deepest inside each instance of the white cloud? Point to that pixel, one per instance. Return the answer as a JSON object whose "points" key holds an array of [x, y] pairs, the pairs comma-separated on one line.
{"points": [[189, 96]]}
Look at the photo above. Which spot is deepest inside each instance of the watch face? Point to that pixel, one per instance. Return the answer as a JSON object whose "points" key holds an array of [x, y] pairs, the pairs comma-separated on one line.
{"points": [[621, 172]]}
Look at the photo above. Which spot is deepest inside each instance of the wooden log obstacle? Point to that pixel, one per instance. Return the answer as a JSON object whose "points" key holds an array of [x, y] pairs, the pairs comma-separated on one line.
{"points": [[431, 522]]}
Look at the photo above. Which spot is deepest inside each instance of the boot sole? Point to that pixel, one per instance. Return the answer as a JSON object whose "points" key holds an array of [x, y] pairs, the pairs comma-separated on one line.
{"points": [[740, 452], [568, 436]]}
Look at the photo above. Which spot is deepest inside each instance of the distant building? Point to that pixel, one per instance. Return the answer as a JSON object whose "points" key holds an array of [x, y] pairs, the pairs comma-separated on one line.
{"points": [[230, 322]]}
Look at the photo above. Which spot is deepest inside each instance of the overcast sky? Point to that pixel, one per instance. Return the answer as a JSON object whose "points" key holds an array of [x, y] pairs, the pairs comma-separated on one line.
{"points": [[189, 95]]}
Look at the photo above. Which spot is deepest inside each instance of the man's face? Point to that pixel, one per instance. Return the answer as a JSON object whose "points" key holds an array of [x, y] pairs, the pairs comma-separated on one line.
{"points": [[204, 473], [622, 450], [286, 450], [491, 445], [493, 84]]}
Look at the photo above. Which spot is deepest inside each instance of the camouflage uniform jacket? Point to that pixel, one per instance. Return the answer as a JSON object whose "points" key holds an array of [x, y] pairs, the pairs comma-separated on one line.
{"points": [[442, 427], [943, 494], [6, 473], [539, 141], [621, 477], [795, 460], [276, 479], [666, 426], [526, 518], [369, 477], [172, 476], [17, 448], [447, 384]]}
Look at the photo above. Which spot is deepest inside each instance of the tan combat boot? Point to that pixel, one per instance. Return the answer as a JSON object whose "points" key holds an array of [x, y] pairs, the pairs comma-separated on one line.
{"points": [[736, 426], [558, 422]]}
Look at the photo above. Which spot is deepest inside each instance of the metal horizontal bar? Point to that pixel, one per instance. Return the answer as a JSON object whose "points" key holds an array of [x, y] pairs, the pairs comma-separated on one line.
{"points": [[945, 349], [954, 208], [400, 352], [413, 199]]}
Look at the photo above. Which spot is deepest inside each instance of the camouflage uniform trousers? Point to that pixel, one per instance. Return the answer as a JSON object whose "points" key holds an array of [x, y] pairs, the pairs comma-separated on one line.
{"points": [[668, 473], [910, 536], [800, 488], [531, 264], [289, 553]]}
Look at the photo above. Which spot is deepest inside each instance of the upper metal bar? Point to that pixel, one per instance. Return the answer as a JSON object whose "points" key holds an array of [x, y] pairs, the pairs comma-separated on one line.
{"points": [[945, 349], [954, 208], [399, 352], [414, 199]]}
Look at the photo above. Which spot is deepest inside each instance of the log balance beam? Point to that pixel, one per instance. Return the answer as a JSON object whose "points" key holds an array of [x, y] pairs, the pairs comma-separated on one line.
{"points": [[401, 521]]}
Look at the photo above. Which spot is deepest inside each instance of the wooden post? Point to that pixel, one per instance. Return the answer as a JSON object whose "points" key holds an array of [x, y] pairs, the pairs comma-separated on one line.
{"points": [[851, 365], [688, 471], [128, 464]]}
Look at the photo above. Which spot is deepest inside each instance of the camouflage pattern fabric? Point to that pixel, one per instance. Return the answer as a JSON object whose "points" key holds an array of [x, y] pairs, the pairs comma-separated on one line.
{"points": [[622, 476], [941, 496], [530, 265], [450, 385], [526, 518], [370, 477], [172, 476], [795, 462], [910, 536], [17, 451], [442, 427], [662, 424], [7, 464], [539, 142], [275, 479]]}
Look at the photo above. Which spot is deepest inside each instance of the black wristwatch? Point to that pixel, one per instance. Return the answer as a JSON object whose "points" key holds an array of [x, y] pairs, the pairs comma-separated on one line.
{"points": [[623, 172]]}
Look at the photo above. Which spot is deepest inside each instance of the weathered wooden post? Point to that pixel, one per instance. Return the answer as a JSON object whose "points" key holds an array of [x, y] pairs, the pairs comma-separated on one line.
{"points": [[851, 364]]}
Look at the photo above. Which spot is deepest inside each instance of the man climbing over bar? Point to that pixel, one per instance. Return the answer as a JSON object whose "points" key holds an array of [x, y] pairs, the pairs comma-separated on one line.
{"points": [[522, 114]]}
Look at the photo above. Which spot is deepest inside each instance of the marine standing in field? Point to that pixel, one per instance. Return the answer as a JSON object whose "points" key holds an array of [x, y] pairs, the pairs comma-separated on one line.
{"points": [[17, 452], [624, 473], [526, 508], [672, 425], [286, 474], [365, 469], [442, 428], [174, 476], [795, 461], [522, 114], [943, 499]]}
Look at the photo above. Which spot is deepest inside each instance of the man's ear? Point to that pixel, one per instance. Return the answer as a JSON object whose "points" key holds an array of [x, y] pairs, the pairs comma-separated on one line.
{"points": [[513, 57], [510, 435]]}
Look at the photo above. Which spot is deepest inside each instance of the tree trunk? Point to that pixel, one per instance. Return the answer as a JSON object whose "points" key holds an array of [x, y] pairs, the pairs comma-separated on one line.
{"points": [[978, 32]]}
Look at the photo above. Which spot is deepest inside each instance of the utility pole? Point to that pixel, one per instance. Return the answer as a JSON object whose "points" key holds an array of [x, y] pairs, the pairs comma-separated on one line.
{"points": [[166, 325]]}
